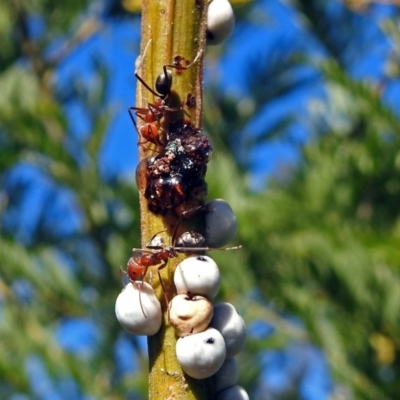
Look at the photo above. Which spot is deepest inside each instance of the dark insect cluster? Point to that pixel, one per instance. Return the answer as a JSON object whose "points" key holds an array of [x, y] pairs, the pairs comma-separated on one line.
{"points": [[175, 176]]}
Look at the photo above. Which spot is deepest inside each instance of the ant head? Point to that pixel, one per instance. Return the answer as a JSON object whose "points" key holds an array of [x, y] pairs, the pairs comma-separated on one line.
{"points": [[164, 83], [134, 268]]}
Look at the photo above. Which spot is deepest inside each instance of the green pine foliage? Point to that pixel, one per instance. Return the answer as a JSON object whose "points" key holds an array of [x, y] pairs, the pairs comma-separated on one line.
{"points": [[320, 239]]}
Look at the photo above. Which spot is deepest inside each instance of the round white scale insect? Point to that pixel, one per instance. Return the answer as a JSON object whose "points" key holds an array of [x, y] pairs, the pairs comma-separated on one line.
{"points": [[220, 223], [198, 275], [231, 325], [202, 354], [233, 393], [227, 375], [138, 309]]}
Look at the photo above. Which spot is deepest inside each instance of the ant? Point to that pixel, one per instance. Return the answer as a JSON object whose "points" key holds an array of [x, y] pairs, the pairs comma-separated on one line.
{"points": [[156, 253], [152, 130], [142, 259]]}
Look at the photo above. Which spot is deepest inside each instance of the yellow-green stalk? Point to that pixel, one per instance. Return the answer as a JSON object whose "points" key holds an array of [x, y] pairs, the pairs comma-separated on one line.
{"points": [[170, 28]]}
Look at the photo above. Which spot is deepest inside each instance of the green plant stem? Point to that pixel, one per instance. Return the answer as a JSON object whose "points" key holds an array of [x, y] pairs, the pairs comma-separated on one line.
{"points": [[170, 28]]}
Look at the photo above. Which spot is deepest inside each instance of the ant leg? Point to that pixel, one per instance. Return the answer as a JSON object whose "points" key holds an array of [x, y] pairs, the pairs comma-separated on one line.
{"points": [[177, 62], [161, 281], [141, 80], [204, 249], [137, 130], [156, 110], [192, 211], [132, 118], [145, 269], [139, 112], [130, 110], [156, 246], [185, 214], [140, 298], [174, 233]]}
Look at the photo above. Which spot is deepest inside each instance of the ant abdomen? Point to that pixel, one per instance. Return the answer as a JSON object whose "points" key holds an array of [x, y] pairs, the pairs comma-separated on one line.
{"points": [[164, 83], [190, 239]]}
